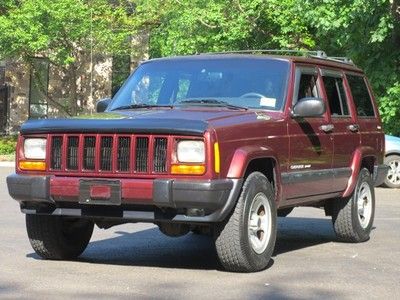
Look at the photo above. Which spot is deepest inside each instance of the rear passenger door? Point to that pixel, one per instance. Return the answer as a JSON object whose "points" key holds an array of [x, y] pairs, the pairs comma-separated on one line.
{"points": [[345, 132]]}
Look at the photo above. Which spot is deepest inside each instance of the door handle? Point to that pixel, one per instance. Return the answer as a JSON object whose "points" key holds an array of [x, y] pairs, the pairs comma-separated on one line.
{"points": [[353, 127], [327, 127]]}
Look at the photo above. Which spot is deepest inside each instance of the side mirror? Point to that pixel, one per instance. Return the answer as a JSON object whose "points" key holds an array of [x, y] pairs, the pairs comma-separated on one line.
{"points": [[102, 105], [309, 107]]}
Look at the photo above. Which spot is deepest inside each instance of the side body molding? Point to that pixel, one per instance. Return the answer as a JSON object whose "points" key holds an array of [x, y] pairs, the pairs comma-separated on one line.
{"points": [[358, 156]]}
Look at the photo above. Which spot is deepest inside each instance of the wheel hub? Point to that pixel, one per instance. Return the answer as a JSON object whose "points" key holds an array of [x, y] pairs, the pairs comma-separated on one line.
{"points": [[364, 204], [259, 223], [394, 172]]}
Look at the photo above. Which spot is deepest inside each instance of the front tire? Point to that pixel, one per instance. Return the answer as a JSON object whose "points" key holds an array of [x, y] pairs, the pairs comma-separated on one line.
{"points": [[56, 237], [353, 217], [246, 240]]}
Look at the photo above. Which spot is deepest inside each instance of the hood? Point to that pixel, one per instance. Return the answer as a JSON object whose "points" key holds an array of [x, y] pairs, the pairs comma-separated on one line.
{"points": [[182, 121]]}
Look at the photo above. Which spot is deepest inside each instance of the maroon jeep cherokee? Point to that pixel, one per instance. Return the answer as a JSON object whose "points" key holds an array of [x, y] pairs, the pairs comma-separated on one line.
{"points": [[219, 143]]}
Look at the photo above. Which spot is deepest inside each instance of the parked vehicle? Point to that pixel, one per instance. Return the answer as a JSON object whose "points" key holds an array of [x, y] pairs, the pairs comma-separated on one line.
{"points": [[392, 159], [218, 143]]}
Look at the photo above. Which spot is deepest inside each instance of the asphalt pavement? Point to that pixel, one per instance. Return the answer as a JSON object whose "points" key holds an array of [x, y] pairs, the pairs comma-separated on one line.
{"points": [[135, 261]]}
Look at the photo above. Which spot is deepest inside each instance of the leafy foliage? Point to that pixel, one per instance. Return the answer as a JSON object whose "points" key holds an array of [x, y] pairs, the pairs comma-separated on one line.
{"points": [[7, 145], [63, 31], [367, 31]]}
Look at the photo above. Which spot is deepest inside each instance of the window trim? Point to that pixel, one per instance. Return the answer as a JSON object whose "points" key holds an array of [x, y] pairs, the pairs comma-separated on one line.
{"points": [[337, 74], [300, 70]]}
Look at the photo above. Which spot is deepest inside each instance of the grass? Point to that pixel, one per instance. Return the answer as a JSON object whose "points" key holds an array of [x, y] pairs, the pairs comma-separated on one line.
{"points": [[8, 145]]}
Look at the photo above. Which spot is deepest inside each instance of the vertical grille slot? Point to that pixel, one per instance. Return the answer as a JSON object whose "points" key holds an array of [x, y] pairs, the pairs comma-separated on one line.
{"points": [[89, 148], [160, 155], [124, 154], [106, 153], [72, 153], [142, 150], [56, 152]]}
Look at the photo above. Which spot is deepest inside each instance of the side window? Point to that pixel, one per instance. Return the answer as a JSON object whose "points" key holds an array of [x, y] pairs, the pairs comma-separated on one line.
{"points": [[335, 92], [306, 86], [361, 97]]}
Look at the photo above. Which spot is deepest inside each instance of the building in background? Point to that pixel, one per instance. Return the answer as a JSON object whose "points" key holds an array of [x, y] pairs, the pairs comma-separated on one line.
{"points": [[37, 92]]}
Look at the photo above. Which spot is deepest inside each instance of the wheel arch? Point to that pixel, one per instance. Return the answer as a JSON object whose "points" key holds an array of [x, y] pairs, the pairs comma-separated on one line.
{"points": [[254, 158], [363, 157]]}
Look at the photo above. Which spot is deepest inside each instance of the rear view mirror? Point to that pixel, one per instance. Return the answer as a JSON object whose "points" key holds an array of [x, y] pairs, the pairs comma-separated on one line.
{"points": [[102, 105], [309, 107]]}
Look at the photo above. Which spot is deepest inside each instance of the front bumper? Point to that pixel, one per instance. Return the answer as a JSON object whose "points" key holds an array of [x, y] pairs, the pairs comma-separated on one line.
{"points": [[380, 173], [141, 199]]}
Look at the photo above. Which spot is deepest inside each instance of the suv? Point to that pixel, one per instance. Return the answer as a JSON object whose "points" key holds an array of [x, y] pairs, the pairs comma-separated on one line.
{"points": [[216, 144]]}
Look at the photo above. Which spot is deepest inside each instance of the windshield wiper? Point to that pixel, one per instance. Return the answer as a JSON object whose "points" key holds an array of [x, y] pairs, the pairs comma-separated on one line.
{"points": [[212, 102], [140, 105]]}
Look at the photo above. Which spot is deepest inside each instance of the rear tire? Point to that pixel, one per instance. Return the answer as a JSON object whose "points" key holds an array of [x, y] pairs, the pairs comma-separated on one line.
{"points": [[353, 217], [392, 179], [56, 237], [246, 240]]}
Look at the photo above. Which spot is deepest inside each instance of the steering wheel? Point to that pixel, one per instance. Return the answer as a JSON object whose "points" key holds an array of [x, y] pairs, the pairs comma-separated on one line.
{"points": [[252, 95]]}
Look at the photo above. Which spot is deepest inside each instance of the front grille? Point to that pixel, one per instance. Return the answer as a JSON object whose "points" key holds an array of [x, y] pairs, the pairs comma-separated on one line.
{"points": [[56, 152], [72, 155], [160, 155], [89, 148], [142, 150], [106, 153], [109, 153], [124, 154]]}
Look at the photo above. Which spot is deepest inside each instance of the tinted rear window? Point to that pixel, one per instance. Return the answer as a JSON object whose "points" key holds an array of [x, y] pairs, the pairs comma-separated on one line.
{"points": [[362, 99]]}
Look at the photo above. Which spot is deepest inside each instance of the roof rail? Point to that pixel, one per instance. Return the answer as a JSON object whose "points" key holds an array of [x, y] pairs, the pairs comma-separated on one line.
{"points": [[315, 54]]}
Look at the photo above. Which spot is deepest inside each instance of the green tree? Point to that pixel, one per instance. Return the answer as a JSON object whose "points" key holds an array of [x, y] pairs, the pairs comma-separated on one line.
{"points": [[366, 31], [369, 33], [184, 27], [64, 31]]}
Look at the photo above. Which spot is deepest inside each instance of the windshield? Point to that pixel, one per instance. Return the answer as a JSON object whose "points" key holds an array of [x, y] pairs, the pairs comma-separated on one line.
{"points": [[241, 82]]}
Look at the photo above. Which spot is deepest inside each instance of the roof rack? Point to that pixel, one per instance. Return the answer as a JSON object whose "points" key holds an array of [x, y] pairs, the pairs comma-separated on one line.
{"points": [[315, 54]]}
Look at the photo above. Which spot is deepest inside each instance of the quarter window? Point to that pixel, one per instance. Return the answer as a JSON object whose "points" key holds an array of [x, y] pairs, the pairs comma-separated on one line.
{"points": [[361, 97], [336, 96]]}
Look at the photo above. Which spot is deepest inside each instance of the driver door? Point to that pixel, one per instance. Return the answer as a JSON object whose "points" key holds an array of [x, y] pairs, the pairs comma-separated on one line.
{"points": [[311, 145]]}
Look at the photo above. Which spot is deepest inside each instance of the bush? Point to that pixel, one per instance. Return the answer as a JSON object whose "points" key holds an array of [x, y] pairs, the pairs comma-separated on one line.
{"points": [[8, 145]]}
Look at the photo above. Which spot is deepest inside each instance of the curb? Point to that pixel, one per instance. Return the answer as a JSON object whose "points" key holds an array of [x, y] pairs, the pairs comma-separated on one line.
{"points": [[7, 164]]}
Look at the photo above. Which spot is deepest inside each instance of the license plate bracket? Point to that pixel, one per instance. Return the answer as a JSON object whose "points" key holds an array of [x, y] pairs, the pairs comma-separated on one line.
{"points": [[100, 192]]}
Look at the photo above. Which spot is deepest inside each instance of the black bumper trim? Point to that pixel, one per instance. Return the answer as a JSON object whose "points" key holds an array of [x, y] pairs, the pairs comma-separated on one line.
{"points": [[380, 173], [216, 197], [29, 188]]}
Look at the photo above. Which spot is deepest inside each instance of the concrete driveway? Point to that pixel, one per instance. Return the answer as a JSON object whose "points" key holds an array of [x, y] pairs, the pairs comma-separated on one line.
{"points": [[136, 261]]}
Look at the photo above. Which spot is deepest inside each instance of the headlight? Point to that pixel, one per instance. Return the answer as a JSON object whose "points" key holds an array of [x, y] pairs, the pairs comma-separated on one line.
{"points": [[35, 148], [191, 151]]}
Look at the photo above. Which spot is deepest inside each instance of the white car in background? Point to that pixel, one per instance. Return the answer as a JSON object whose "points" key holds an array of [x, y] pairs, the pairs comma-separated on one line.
{"points": [[392, 159]]}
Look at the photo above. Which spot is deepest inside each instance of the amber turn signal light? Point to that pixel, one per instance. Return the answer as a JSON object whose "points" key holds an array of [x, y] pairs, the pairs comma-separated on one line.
{"points": [[32, 165], [188, 169]]}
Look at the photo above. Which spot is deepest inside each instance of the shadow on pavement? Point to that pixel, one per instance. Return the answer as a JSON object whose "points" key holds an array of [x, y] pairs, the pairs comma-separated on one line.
{"points": [[151, 248]]}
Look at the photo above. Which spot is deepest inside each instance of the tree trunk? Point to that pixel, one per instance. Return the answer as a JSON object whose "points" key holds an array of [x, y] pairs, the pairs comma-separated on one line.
{"points": [[73, 94], [395, 9]]}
